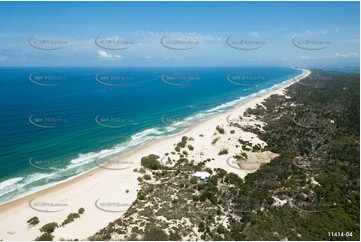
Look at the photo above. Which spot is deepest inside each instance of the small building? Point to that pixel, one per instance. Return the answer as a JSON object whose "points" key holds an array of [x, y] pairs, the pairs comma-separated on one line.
{"points": [[202, 175]]}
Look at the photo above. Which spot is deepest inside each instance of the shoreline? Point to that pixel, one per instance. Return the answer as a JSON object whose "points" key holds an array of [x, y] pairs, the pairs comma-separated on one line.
{"points": [[150, 142], [99, 183]]}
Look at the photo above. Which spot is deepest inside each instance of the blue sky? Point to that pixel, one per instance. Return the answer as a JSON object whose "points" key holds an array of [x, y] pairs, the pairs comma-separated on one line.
{"points": [[276, 33]]}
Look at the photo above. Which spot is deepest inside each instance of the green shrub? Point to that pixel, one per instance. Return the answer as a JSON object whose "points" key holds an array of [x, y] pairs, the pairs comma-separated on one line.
{"points": [[147, 177], [194, 180], [256, 148], [242, 156], [155, 234], [135, 229], [221, 229], [33, 221], [81, 210], [223, 152], [220, 130], [190, 147], [215, 140], [201, 227], [70, 218], [195, 198], [45, 237], [49, 228], [232, 178], [191, 190], [209, 170], [174, 236], [151, 162], [182, 144], [141, 196]]}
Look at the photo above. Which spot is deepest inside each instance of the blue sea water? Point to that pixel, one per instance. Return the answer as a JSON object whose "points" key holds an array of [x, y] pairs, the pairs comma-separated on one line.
{"points": [[56, 123]]}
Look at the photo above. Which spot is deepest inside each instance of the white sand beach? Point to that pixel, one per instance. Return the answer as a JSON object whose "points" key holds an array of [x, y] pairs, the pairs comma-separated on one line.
{"points": [[106, 194]]}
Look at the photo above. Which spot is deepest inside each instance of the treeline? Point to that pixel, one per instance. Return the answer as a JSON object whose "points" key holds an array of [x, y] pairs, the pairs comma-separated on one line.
{"points": [[317, 123]]}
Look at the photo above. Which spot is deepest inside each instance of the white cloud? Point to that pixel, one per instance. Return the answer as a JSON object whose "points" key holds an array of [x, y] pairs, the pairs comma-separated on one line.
{"points": [[254, 34], [316, 32], [347, 55], [336, 55], [104, 55], [152, 39], [8, 35], [307, 57]]}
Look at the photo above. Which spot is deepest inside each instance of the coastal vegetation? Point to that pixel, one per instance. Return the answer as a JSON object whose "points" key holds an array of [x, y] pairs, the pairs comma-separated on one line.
{"points": [[45, 237], [151, 162], [181, 144], [220, 130], [71, 217], [215, 140], [322, 191], [223, 151], [49, 228], [33, 221]]}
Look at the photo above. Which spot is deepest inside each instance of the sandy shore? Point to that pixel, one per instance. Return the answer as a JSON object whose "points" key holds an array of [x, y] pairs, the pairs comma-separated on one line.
{"points": [[106, 193]]}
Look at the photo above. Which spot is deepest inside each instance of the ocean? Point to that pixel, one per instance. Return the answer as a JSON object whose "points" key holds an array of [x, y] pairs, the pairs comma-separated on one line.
{"points": [[57, 123]]}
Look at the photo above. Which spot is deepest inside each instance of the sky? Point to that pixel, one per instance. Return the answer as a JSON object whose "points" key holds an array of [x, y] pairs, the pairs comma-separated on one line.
{"points": [[179, 34]]}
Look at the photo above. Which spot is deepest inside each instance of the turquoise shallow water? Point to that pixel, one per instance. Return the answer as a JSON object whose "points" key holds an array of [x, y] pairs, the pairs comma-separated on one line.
{"points": [[59, 122]]}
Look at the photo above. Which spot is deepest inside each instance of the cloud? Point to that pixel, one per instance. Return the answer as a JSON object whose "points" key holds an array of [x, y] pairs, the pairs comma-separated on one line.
{"points": [[254, 34], [307, 57], [347, 55], [9, 35], [336, 55], [104, 55], [152, 39], [316, 32]]}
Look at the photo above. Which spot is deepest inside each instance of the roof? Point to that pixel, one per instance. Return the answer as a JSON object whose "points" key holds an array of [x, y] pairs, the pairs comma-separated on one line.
{"points": [[202, 174]]}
